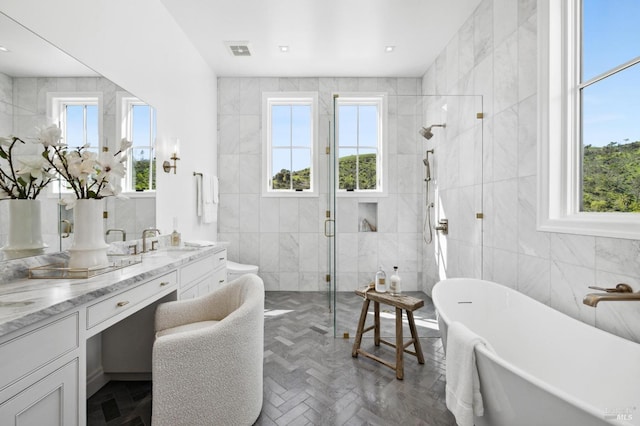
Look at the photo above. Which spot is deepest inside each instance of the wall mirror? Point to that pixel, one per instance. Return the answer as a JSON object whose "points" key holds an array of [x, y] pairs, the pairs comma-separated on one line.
{"points": [[32, 73]]}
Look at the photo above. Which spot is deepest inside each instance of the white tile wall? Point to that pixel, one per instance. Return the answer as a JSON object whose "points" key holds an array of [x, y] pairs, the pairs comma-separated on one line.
{"points": [[284, 236], [553, 268]]}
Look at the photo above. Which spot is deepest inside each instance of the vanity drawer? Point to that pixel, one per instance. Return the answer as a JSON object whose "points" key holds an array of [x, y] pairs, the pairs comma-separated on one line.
{"points": [[26, 353], [220, 259], [193, 271], [128, 299]]}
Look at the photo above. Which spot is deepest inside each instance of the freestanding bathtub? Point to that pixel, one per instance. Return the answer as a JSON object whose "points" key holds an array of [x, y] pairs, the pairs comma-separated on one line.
{"points": [[546, 368]]}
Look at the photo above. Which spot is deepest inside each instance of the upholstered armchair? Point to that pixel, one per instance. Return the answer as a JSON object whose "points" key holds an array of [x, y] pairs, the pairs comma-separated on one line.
{"points": [[208, 357]]}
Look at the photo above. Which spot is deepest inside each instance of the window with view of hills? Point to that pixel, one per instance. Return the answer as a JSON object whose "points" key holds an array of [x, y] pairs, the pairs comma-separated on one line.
{"points": [[588, 117], [359, 143], [289, 126], [609, 103]]}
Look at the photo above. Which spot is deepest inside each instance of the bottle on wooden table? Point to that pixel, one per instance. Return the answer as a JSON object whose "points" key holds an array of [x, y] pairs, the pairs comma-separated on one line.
{"points": [[381, 281], [395, 283]]}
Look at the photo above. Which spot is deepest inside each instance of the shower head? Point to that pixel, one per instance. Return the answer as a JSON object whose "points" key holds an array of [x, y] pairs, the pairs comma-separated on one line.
{"points": [[425, 161], [426, 131]]}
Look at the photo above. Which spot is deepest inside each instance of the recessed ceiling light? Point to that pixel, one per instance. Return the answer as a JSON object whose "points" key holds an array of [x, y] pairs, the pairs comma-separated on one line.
{"points": [[3, 49], [389, 49], [283, 49]]}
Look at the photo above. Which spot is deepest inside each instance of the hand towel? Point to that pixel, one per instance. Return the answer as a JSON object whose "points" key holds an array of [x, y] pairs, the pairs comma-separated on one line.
{"points": [[463, 385], [209, 206], [216, 189]]}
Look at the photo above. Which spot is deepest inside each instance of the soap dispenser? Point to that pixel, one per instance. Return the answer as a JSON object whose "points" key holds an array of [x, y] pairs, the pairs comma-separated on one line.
{"points": [[175, 235]]}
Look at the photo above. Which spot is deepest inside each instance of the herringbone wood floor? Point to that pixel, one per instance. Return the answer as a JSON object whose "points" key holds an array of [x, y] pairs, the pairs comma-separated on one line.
{"points": [[310, 377]]}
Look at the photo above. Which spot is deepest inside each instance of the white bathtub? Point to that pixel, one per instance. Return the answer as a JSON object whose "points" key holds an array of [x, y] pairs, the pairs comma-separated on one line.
{"points": [[548, 368]]}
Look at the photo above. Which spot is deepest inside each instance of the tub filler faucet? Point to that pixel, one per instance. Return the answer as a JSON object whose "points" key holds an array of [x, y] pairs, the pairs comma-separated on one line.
{"points": [[619, 292]]}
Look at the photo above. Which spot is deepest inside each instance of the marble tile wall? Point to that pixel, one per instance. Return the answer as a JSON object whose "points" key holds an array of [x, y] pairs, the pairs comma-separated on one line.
{"points": [[284, 236], [23, 102], [494, 54]]}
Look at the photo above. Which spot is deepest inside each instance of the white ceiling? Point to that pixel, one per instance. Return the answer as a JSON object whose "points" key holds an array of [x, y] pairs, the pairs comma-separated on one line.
{"points": [[341, 38], [31, 56]]}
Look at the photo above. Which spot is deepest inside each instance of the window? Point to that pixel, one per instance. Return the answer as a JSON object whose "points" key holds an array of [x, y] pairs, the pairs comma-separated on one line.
{"points": [[79, 117], [589, 99], [139, 126], [360, 143], [289, 133]]}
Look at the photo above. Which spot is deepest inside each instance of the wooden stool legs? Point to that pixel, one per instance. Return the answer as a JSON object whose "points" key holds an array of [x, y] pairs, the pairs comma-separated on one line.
{"points": [[416, 340], [399, 345], [360, 332]]}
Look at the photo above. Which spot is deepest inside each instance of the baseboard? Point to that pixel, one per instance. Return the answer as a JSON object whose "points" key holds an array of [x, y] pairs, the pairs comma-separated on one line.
{"points": [[130, 377], [96, 381]]}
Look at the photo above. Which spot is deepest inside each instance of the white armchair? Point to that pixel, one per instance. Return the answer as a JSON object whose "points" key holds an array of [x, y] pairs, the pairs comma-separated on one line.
{"points": [[208, 357]]}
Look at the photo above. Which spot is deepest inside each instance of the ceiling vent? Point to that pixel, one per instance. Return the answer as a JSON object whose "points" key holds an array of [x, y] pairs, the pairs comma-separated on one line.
{"points": [[238, 48]]}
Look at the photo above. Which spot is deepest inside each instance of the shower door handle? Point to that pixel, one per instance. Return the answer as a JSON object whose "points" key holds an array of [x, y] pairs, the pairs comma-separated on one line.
{"points": [[326, 233]]}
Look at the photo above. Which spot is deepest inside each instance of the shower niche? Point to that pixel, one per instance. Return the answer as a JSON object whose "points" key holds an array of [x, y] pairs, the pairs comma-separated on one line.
{"points": [[367, 217]]}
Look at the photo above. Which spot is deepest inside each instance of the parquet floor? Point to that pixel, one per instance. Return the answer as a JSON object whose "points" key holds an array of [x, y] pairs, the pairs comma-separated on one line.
{"points": [[310, 377]]}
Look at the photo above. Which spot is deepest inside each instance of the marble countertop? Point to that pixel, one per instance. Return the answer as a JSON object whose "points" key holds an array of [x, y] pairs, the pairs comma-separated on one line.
{"points": [[26, 301]]}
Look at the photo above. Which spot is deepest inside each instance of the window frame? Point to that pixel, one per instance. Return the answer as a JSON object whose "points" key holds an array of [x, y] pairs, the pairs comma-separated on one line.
{"points": [[380, 99], [283, 98], [56, 101], [124, 101], [559, 141]]}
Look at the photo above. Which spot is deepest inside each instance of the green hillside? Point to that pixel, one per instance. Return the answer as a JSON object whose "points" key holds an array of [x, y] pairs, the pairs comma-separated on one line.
{"points": [[347, 174], [611, 178]]}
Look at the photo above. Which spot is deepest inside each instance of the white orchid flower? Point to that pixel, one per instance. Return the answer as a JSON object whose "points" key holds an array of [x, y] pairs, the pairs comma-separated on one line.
{"points": [[111, 166], [50, 136], [81, 168], [31, 166]]}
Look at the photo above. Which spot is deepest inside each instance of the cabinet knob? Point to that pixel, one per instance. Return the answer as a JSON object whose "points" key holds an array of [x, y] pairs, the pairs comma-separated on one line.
{"points": [[163, 283], [123, 303]]}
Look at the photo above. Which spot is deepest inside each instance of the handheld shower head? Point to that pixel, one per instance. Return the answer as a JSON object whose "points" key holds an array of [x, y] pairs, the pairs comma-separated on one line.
{"points": [[426, 131]]}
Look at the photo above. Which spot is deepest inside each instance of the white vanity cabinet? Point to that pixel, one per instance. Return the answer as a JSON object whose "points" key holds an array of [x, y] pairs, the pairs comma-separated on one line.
{"points": [[55, 329], [39, 375], [203, 276]]}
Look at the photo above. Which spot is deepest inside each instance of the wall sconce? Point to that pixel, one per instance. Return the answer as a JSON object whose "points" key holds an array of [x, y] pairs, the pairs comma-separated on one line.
{"points": [[166, 166]]}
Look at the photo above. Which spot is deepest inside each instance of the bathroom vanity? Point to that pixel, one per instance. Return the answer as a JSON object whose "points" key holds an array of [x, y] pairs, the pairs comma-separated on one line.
{"points": [[61, 337]]}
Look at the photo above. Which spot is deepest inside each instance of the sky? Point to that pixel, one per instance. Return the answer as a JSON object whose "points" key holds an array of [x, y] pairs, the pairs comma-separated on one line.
{"points": [[610, 38]]}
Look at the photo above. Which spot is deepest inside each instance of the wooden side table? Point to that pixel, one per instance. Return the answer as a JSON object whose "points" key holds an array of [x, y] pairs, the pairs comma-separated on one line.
{"points": [[409, 304]]}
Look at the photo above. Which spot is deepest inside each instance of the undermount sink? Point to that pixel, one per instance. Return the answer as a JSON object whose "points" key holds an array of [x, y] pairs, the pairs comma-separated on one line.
{"points": [[181, 248], [171, 251]]}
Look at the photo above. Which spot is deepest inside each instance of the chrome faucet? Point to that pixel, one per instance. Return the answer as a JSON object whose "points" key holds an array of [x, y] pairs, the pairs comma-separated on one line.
{"points": [[619, 292], [144, 239], [124, 234]]}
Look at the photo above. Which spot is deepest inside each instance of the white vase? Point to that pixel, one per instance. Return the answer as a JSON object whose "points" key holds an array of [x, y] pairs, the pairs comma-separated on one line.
{"points": [[89, 250], [25, 228]]}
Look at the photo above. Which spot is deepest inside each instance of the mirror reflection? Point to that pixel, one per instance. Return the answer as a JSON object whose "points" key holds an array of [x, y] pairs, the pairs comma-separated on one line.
{"points": [[41, 85]]}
